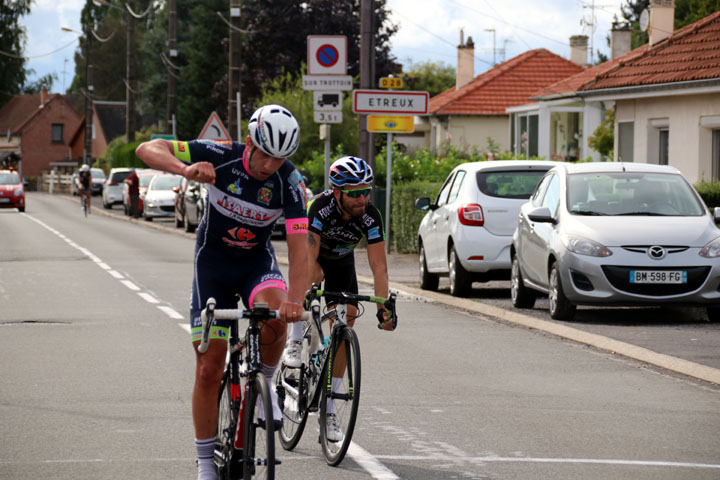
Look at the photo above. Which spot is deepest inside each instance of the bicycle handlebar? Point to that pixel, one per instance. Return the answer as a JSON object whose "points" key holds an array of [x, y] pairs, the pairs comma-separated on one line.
{"points": [[347, 297], [210, 314]]}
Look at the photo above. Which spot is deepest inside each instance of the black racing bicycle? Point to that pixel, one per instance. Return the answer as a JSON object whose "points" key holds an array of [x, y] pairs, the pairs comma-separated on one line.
{"points": [[245, 444], [312, 386]]}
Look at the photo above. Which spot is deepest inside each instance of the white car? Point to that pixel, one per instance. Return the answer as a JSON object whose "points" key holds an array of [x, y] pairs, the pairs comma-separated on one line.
{"points": [[467, 231], [159, 198], [112, 191]]}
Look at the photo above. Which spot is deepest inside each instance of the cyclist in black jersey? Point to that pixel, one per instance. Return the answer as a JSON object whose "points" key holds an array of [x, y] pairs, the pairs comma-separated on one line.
{"points": [[337, 220], [249, 187]]}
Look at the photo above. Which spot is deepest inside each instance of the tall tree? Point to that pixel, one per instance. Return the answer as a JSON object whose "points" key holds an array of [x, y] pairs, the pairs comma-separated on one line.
{"points": [[434, 77], [12, 44]]}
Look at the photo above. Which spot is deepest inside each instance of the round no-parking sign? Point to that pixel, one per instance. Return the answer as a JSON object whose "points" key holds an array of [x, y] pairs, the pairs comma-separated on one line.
{"points": [[327, 54]]}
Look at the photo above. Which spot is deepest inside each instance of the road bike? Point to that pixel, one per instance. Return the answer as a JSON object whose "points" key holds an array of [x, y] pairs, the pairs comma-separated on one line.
{"points": [[84, 200], [308, 388], [245, 444]]}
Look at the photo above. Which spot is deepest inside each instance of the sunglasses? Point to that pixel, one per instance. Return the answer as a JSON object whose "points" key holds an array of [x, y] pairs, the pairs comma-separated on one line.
{"points": [[360, 192]]}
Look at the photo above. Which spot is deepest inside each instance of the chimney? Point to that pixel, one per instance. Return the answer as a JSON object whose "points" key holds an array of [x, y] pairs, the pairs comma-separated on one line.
{"points": [[579, 49], [662, 20], [465, 62], [43, 95], [620, 36]]}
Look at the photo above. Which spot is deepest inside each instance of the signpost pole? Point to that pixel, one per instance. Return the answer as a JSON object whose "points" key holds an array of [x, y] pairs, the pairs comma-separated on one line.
{"points": [[327, 156], [388, 186]]}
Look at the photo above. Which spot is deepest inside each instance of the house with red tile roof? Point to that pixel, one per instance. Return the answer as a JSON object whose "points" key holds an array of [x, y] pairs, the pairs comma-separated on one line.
{"points": [[475, 108], [667, 99]]}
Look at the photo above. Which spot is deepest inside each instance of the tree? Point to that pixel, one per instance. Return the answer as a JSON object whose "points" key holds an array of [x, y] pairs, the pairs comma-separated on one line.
{"points": [[12, 44], [434, 77]]}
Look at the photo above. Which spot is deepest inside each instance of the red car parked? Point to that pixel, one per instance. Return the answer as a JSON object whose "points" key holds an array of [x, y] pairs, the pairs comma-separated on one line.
{"points": [[12, 193]]}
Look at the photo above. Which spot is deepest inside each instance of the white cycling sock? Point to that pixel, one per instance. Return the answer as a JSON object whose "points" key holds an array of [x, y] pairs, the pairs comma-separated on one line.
{"points": [[296, 331], [336, 384], [269, 371], [206, 465]]}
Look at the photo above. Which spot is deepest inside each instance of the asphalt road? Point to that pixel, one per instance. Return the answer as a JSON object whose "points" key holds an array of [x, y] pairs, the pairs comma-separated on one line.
{"points": [[97, 370]]}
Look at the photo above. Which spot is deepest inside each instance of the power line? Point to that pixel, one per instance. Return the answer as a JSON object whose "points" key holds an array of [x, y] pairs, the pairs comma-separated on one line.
{"points": [[8, 54]]}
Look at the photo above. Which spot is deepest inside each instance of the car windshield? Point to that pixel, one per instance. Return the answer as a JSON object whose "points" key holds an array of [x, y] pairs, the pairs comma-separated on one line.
{"points": [[97, 173], [631, 193], [9, 179], [118, 177], [145, 179], [166, 182], [510, 183]]}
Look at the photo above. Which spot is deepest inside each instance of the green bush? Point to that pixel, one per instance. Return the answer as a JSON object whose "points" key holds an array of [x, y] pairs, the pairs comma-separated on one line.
{"points": [[405, 217], [710, 192]]}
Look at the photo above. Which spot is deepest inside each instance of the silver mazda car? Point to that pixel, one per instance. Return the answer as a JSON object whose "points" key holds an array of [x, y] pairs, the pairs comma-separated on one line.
{"points": [[616, 234]]}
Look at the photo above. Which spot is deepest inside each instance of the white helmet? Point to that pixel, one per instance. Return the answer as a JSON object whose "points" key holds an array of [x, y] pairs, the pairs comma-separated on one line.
{"points": [[350, 171], [274, 130], [84, 168]]}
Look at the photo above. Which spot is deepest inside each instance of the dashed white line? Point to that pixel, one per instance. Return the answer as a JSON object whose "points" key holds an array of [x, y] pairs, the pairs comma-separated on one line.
{"points": [[148, 298], [369, 463], [170, 312], [116, 274], [130, 285]]}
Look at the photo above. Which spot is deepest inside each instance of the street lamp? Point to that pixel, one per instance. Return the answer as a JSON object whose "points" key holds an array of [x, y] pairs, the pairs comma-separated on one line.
{"points": [[87, 152]]}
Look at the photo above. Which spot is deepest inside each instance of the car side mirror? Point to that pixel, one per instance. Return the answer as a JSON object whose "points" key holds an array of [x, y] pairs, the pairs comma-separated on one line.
{"points": [[424, 204], [541, 215], [716, 214]]}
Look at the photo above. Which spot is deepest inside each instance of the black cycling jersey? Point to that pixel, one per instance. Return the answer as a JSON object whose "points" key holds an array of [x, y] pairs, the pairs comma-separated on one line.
{"points": [[339, 238], [85, 178]]}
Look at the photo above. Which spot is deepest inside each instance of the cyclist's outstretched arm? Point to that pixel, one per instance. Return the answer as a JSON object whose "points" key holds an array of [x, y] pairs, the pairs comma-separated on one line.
{"points": [[298, 272], [378, 265], [160, 154], [315, 273]]}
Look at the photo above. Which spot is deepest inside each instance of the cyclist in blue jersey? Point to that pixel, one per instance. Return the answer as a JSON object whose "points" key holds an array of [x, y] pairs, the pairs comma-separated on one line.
{"points": [[338, 219], [250, 185]]}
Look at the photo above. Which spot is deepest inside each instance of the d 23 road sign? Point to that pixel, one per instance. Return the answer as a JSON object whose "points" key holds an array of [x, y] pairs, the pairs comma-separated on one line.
{"points": [[382, 102], [327, 117], [327, 54], [390, 124], [327, 101]]}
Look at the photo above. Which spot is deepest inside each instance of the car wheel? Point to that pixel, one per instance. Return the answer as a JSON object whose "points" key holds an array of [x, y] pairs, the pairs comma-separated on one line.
{"points": [[560, 306], [21, 209], [521, 296], [428, 281], [178, 222], [106, 205], [189, 227], [713, 313], [459, 277]]}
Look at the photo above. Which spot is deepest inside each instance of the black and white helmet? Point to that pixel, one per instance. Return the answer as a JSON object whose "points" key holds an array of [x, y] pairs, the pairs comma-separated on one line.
{"points": [[274, 130], [350, 171]]}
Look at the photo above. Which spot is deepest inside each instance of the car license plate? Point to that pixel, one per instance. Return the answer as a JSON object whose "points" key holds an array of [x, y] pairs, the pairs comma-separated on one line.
{"points": [[4, 200], [655, 276]]}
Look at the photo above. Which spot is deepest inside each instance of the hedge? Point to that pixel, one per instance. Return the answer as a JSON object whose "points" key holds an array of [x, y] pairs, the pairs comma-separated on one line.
{"points": [[405, 217], [710, 192]]}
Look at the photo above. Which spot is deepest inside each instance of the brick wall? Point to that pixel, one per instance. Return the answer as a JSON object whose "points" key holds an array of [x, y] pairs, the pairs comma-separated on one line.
{"points": [[38, 149]]}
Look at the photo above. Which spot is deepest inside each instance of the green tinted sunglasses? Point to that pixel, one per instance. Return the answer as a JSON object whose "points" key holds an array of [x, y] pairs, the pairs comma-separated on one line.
{"points": [[360, 192]]}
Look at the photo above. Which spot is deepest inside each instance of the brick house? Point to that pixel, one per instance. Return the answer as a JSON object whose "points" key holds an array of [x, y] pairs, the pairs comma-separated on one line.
{"points": [[39, 127]]}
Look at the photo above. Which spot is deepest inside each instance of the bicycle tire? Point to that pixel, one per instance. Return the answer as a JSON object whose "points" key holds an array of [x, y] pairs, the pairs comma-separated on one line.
{"points": [[226, 456], [85, 204], [259, 442], [295, 411], [346, 400]]}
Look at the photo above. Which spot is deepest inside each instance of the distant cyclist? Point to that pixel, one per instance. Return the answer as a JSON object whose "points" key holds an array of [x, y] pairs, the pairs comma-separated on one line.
{"points": [[85, 183], [250, 186], [338, 219]]}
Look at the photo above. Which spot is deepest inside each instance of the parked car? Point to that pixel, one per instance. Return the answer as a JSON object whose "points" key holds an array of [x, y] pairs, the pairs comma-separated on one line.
{"points": [[145, 175], [159, 199], [616, 234], [467, 231], [112, 190], [189, 204], [98, 181], [12, 192]]}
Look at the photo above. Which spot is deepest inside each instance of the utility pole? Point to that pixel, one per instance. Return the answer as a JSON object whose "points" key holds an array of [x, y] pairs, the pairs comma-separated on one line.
{"points": [[87, 154], [366, 148], [234, 71], [130, 73], [493, 49], [172, 55]]}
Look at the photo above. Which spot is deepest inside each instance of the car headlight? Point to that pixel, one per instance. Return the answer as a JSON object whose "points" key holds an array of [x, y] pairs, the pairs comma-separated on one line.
{"points": [[18, 192], [711, 250], [583, 246]]}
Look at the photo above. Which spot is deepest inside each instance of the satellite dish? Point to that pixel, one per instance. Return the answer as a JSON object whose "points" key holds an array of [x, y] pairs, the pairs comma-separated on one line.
{"points": [[644, 20]]}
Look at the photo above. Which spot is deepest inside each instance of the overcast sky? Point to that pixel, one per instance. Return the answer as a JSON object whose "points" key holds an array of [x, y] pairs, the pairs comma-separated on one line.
{"points": [[430, 32]]}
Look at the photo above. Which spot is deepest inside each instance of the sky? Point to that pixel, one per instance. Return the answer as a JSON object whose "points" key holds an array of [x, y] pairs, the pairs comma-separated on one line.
{"points": [[430, 33]]}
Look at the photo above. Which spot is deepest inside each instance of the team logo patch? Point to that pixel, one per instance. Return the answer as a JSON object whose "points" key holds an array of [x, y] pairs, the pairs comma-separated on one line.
{"points": [[239, 237], [317, 223], [235, 188], [264, 195], [218, 333], [181, 147], [374, 233]]}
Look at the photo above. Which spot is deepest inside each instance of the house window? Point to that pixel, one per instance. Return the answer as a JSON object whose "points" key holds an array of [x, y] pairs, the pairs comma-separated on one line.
{"points": [[626, 139], [57, 133], [566, 136], [716, 154], [526, 143], [663, 147]]}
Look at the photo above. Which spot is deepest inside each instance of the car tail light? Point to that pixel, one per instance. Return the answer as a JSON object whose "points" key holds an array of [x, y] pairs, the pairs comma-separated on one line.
{"points": [[111, 183], [471, 214]]}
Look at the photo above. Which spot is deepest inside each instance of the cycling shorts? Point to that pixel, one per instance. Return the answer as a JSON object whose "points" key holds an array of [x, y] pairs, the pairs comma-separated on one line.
{"points": [[223, 277], [340, 275]]}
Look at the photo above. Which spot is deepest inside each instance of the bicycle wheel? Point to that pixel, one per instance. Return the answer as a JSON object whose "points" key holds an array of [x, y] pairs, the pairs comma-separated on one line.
{"points": [[259, 441], [226, 456], [346, 397], [293, 399], [85, 204]]}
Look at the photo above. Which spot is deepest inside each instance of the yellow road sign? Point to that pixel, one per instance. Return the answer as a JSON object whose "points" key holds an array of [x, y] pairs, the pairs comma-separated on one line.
{"points": [[391, 82], [390, 124]]}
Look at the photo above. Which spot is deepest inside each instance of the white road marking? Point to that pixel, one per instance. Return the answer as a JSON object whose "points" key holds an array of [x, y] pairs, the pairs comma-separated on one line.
{"points": [[148, 298], [104, 266], [369, 463], [184, 326], [170, 312], [130, 285], [116, 274]]}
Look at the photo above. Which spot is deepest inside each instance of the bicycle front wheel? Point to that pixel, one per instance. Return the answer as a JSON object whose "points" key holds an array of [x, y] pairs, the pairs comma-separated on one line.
{"points": [[259, 441], [226, 456], [341, 397], [292, 389]]}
